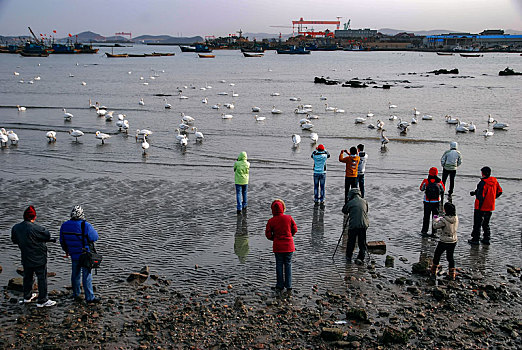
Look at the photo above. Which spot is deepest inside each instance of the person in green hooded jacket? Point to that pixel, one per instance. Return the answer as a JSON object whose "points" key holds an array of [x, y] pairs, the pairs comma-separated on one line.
{"points": [[241, 169]]}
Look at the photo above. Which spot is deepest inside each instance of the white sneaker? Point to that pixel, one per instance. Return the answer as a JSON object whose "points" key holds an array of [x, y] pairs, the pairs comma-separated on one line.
{"points": [[48, 303], [31, 299]]}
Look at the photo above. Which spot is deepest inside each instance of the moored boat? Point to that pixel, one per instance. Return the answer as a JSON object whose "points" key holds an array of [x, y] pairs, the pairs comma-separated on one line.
{"points": [[35, 50], [470, 55], [256, 49], [117, 55], [294, 51], [445, 53], [205, 55], [64, 49], [253, 54], [85, 48], [195, 48]]}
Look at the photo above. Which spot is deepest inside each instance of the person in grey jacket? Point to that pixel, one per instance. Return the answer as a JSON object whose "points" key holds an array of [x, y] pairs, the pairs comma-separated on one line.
{"points": [[450, 161], [448, 239], [356, 208], [31, 239]]}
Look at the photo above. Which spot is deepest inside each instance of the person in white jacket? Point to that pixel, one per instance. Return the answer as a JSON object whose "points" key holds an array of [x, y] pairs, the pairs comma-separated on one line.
{"points": [[448, 239], [450, 161]]}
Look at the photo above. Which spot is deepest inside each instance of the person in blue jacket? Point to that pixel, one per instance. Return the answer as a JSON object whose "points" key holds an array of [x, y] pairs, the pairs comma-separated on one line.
{"points": [[320, 155], [73, 243]]}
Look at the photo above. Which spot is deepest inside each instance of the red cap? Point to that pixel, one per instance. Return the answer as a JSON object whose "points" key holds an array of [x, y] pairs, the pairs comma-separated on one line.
{"points": [[433, 171], [320, 147], [29, 213]]}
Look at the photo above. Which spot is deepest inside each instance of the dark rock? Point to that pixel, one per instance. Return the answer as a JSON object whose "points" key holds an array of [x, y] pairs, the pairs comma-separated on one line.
{"points": [[394, 336], [358, 315], [355, 84], [390, 261], [331, 334], [445, 71], [508, 71], [16, 284], [421, 267], [438, 293], [137, 277], [413, 290], [145, 270], [400, 281]]}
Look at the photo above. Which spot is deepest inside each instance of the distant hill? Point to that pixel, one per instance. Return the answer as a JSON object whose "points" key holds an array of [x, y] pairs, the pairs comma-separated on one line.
{"points": [[167, 39], [89, 36]]}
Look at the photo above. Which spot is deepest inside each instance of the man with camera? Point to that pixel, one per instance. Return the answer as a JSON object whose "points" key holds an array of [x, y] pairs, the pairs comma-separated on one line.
{"points": [[31, 239]]}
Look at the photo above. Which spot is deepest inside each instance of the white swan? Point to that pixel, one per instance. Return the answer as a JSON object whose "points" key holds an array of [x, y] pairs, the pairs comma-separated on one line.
{"points": [[314, 137], [145, 145], [490, 119], [338, 110], [101, 111], [402, 124], [296, 139], [276, 111], [461, 128], [259, 118], [384, 139], [307, 126], [51, 136], [487, 133], [234, 94], [427, 117], [323, 98], [295, 99], [304, 121], [108, 116], [76, 133], [369, 115], [141, 134], [101, 136], [413, 120], [256, 109], [308, 107], [328, 109], [20, 108], [141, 102], [186, 118], [390, 106], [216, 106], [67, 116], [500, 126], [199, 135], [167, 105], [3, 140], [182, 97], [380, 124], [360, 120], [84, 83], [91, 105], [371, 126], [451, 120], [231, 84], [275, 94], [392, 117], [183, 142], [125, 126], [472, 127], [180, 136], [300, 110], [312, 116], [183, 126], [204, 100], [415, 111], [16, 73], [229, 105], [226, 116], [223, 93], [13, 137]]}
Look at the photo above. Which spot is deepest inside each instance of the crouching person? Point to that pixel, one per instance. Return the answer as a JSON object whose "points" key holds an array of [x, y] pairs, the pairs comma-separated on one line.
{"points": [[75, 235], [448, 239], [357, 210]]}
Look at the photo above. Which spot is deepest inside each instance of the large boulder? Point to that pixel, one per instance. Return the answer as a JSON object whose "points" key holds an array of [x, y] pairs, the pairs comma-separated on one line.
{"points": [[16, 284]]}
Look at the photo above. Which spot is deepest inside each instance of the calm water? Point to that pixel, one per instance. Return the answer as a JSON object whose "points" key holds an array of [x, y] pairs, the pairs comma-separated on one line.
{"points": [[174, 208]]}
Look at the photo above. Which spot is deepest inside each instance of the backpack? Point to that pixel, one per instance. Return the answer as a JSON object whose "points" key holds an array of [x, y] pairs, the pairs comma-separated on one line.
{"points": [[432, 190]]}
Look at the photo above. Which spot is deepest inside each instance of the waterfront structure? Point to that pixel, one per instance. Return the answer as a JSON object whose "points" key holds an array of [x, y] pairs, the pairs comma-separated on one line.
{"points": [[355, 33], [487, 39]]}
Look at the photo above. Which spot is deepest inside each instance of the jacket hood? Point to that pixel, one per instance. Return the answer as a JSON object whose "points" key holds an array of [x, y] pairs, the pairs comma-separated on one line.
{"points": [[353, 193], [433, 171], [450, 219], [278, 207], [453, 145], [242, 156]]}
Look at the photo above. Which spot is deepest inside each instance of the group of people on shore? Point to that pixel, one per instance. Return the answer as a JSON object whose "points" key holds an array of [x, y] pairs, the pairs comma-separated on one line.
{"points": [[281, 228], [76, 236]]}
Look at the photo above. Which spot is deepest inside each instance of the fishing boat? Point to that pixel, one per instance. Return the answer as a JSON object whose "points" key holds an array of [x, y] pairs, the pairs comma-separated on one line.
{"points": [[136, 55], [114, 55], [186, 48], [35, 50], [256, 49], [445, 53], [470, 55], [293, 51], [64, 49], [195, 48], [164, 53], [205, 56], [85, 48], [253, 54]]}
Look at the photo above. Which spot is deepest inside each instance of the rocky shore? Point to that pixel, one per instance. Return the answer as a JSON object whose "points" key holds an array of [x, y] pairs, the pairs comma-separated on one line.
{"points": [[372, 312]]}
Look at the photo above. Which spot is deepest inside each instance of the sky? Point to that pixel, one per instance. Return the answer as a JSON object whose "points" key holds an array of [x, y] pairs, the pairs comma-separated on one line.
{"points": [[223, 17]]}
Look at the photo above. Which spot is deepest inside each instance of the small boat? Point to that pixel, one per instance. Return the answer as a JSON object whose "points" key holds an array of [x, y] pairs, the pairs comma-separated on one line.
{"points": [[116, 55], [294, 51], [253, 54], [195, 48], [64, 49], [164, 53], [445, 53], [255, 49], [470, 55], [34, 54], [186, 48], [205, 56], [83, 48], [135, 55]]}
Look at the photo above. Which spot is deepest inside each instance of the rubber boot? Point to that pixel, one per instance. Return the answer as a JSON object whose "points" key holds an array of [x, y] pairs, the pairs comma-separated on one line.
{"points": [[433, 271], [452, 273]]}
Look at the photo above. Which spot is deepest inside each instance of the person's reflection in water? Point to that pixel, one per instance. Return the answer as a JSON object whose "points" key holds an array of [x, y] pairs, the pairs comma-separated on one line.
{"points": [[317, 228], [477, 260], [241, 248]]}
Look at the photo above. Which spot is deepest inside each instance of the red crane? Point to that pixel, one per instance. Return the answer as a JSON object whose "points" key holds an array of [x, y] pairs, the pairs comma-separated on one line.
{"points": [[313, 33]]}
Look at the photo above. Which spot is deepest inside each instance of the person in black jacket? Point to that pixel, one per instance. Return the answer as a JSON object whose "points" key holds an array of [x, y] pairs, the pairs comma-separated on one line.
{"points": [[32, 238], [356, 212]]}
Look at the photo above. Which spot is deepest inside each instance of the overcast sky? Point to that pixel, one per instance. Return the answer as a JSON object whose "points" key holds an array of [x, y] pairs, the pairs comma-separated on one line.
{"points": [[221, 17]]}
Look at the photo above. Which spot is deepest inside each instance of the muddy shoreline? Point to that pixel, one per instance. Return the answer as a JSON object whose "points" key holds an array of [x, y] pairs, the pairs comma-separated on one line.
{"points": [[374, 311]]}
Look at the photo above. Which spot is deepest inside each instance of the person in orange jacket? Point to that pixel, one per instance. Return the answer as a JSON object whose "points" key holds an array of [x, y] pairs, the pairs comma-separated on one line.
{"points": [[352, 163], [488, 189]]}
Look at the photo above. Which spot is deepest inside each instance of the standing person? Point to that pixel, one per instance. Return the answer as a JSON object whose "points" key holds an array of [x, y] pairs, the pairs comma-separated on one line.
{"points": [[320, 155], [357, 210], [241, 170], [447, 241], [281, 229], [31, 239], [450, 161], [75, 235], [363, 157], [488, 189], [352, 163], [433, 187]]}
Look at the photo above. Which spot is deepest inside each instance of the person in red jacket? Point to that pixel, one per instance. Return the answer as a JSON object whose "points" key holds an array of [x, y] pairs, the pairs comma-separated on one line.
{"points": [[433, 187], [281, 229], [487, 191]]}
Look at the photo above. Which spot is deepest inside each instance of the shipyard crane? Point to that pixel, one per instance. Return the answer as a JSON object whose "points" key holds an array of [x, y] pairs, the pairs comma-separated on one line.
{"points": [[34, 36], [347, 25]]}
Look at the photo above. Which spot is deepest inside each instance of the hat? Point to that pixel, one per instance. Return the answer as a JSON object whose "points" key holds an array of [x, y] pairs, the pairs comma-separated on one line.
{"points": [[453, 145], [77, 213], [433, 171], [486, 171], [320, 147], [29, 213]]}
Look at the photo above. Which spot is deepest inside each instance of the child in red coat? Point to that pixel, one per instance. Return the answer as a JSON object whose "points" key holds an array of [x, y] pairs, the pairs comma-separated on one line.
{"points": [[281, 229]]}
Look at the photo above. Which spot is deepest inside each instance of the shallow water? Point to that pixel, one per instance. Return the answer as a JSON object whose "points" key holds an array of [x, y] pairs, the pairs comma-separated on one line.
{"points": [[174, 208]]}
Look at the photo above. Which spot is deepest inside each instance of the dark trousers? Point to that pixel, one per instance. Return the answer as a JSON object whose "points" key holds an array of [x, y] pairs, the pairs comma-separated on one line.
{"points": [[349, 182], [449, 248], [358, 234], [481, 219], [430, 209], [360, 182], [451, 174], [41, 275]]}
